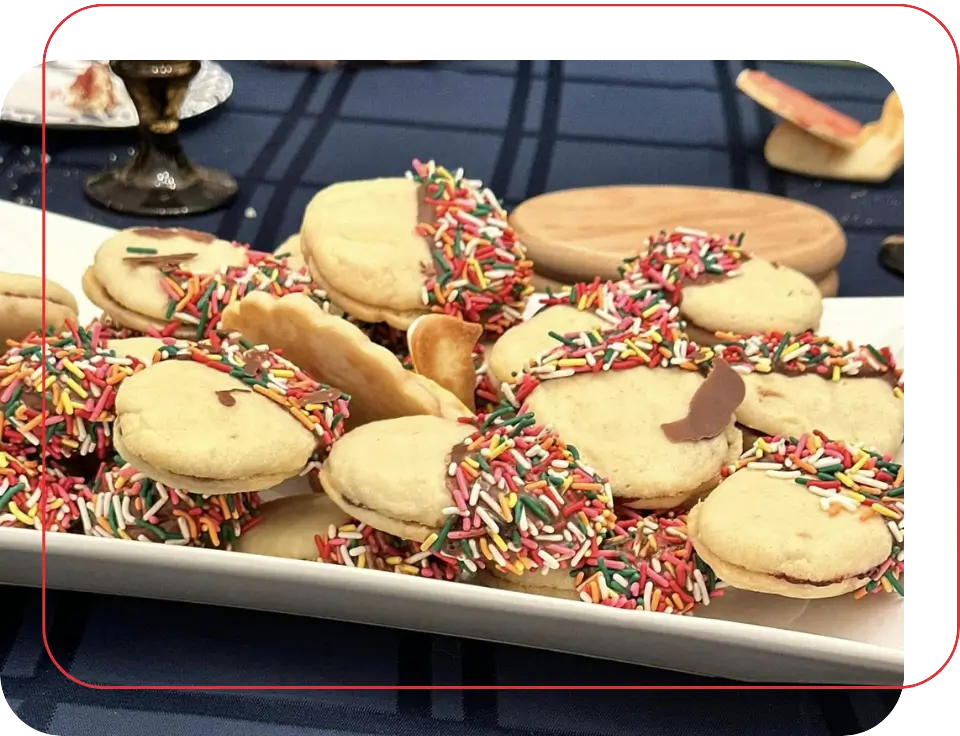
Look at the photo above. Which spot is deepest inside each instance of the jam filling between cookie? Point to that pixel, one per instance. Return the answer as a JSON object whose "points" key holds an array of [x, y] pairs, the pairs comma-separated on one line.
{"points": [[824, 583]]}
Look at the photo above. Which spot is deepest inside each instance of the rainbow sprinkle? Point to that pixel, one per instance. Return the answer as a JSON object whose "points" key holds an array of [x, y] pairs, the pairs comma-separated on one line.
{"points": [[808, 354], [671, 260], [847, 478], [82, 378], [647, 564], [359, 545], [109, 330], [318, 407], [480, 271], [198, 301], [126, 504], [22, 491], [522, 500], [650, 284], [485, 393], [633, 345], [615, 301]]}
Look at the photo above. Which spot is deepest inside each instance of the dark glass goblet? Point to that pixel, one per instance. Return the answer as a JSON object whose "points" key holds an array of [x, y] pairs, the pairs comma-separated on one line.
{"points": [[891, 254], [159, 180]]}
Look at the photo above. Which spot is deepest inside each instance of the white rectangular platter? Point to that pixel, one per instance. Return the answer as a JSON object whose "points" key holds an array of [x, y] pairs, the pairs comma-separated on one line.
{"points": [[741, 636]]}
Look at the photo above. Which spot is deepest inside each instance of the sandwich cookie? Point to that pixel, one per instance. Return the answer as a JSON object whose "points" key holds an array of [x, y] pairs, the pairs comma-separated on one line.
{"points": [[510, 495], [391, 250], [805, 517], [78, 381], [22, 303], [224, 416], [339, 353], [721, 288], [177, 282], [645, 407], [794, 382], [126, 504], [26, 503]]}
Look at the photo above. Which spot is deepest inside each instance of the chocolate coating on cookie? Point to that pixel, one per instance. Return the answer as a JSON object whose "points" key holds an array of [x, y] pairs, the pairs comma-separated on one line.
{"points": [[711, 407]]}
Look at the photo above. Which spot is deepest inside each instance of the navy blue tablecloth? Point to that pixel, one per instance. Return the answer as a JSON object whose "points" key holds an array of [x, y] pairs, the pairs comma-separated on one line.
{"points": [[524, 128]]}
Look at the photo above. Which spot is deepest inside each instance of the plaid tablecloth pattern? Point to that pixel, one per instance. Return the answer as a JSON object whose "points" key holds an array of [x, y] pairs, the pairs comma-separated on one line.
{"points": [[525, 127]]}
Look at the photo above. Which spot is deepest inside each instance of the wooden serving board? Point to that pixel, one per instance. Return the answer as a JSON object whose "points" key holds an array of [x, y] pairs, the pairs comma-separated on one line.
{"points": [[578, 234], [828, 283]]}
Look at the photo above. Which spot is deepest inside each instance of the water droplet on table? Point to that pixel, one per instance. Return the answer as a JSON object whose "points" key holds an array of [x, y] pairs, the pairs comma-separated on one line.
{"points": [[250, 213]]}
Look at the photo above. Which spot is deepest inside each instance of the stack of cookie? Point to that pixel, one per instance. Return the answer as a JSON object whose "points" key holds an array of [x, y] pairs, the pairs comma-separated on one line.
{"points": [[618, 448]]}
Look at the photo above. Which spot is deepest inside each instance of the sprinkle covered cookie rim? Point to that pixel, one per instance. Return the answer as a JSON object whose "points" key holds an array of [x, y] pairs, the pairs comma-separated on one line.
{"points": [[613, 302], [672, 260], [478, 270], [848, 479], [522, 499], [197, 301], [633, 344], [808, 353], [651, 284]]}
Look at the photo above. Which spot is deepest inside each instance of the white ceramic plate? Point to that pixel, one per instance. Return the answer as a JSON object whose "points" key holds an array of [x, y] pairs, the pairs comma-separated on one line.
{"points": [[211, 87], [741, 636]]}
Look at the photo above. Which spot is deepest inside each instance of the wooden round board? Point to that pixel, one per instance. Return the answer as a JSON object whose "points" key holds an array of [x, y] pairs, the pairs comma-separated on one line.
{"points": [[828, 283], [578, 234]]}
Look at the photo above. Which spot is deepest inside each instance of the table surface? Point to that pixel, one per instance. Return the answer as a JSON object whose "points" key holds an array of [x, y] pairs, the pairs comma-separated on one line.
{"points": [[524, 128]]}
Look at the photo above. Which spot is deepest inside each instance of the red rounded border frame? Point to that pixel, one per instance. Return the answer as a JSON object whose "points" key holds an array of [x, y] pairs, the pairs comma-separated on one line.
{"points": [[43, 408]]}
